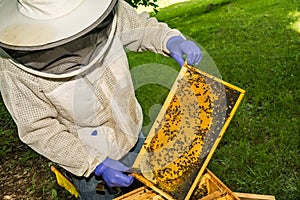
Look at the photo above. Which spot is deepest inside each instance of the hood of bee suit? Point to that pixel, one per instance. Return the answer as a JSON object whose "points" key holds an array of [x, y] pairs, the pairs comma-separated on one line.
{"points": [[41, 24], [32, 27]]}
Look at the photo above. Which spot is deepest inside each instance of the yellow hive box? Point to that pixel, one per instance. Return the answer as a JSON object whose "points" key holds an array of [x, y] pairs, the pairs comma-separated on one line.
{"points": [[186, 133], [247, 196], [208, 188]]}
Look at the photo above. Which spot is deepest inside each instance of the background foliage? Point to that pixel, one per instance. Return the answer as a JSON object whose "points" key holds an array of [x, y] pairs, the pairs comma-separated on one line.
{"points": [[146, 3]]}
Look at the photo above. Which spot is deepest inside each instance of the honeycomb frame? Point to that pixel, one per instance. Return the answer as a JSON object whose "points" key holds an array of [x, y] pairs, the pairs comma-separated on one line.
{"points": [[186, 133]]}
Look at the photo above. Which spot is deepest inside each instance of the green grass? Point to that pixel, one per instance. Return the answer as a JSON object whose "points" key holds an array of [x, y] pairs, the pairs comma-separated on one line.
{"points": [[254, 47]]}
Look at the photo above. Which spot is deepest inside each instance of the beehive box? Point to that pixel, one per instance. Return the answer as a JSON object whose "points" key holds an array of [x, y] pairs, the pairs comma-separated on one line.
{"points": [[209, 187], [142, 193], [247, 196], [187, 130]]}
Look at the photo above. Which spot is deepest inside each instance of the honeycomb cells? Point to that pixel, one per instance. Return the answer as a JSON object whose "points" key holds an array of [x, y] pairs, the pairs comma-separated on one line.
{"points": [[186, 129]]}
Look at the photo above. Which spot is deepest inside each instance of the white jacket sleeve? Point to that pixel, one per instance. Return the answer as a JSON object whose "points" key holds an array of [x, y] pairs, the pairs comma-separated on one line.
{"points": [[139, 32]]}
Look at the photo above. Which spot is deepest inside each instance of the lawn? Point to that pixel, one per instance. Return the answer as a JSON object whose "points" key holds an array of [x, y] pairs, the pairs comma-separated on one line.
{"points": [[254, 45]]}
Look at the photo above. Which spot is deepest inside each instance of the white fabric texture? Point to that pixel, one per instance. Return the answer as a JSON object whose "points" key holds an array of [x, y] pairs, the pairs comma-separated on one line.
{"points": [[47, 9]]}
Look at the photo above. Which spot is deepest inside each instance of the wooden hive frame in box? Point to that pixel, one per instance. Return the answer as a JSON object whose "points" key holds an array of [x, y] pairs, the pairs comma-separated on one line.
{"points": [[186, 133], [208, 188]]}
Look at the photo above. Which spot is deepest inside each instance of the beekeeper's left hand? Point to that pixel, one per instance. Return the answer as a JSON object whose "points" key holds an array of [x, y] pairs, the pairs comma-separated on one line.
{"points": [[179, 47]]}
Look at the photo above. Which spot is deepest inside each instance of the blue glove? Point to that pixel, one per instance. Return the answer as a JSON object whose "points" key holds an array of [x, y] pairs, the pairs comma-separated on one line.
{"points": [[178, 47], [111, 172]]}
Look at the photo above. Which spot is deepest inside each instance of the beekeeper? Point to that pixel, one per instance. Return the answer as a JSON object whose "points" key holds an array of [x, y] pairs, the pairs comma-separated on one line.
{"points": [[65, 80]]}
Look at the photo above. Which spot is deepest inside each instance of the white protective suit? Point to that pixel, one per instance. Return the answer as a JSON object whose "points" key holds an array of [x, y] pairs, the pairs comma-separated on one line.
{"points": [[77, 119]]}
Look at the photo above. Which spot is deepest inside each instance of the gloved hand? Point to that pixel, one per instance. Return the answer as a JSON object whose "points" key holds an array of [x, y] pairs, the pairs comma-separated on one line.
{"points": [[111, 172], [178, 47]]}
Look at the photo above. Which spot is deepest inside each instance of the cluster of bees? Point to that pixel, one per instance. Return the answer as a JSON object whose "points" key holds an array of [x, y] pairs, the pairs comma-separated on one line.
{"points": [[185, 133]]}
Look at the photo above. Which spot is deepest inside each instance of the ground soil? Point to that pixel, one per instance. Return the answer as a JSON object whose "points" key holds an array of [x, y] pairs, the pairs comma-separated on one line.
{"points": [[26, 175]]}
